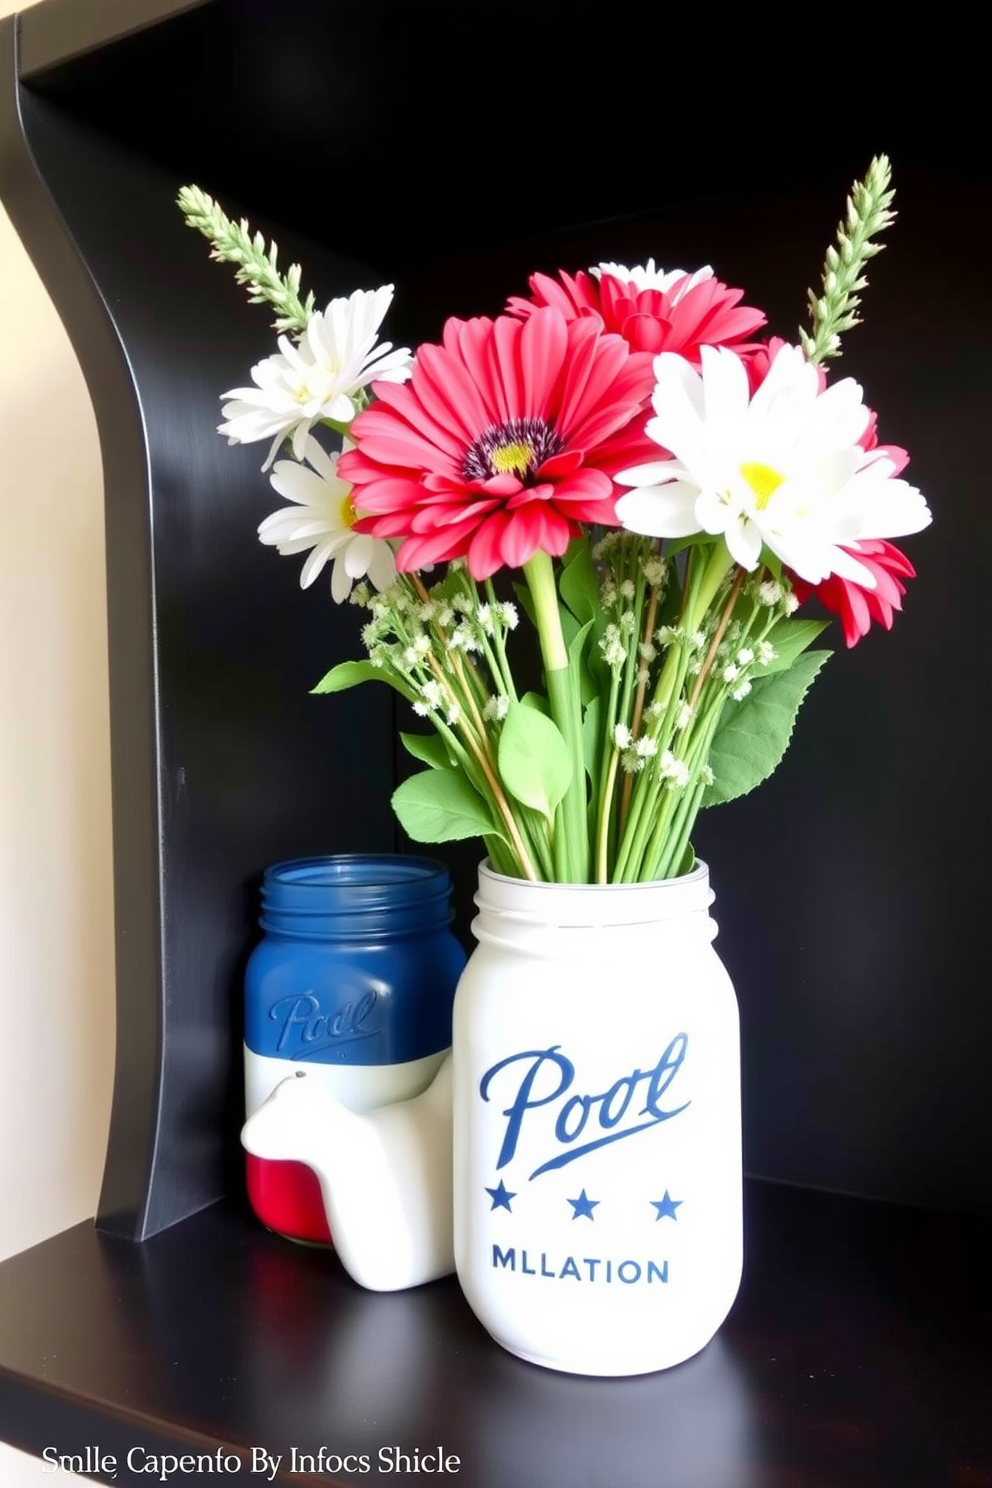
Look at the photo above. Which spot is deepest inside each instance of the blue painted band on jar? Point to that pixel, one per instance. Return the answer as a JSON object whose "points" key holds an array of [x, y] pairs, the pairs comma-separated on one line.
{"points": [[358, 964]]}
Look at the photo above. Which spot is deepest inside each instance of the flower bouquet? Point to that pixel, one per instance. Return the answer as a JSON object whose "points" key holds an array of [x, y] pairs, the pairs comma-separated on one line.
{"points": [[621, 463]]}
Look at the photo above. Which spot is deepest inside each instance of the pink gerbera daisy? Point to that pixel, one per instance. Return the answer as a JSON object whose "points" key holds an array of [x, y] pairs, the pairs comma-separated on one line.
{"points": [[652, 310], [503, 441]]}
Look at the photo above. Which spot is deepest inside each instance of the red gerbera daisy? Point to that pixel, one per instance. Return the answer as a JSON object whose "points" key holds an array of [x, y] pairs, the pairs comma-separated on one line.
{"points": [[856, 605], [501, 443], [653, 311]]}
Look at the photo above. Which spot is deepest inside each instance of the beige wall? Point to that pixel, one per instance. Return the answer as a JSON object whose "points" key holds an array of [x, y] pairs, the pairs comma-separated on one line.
{"points": [[56, 925]]}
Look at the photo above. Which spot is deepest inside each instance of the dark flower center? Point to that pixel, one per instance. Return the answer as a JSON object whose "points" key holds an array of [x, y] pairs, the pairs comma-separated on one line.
{"points": [[518, 447]]}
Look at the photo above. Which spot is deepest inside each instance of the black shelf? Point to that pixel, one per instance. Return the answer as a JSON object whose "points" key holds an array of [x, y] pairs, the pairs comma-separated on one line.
{"points": [[856, 1356]]}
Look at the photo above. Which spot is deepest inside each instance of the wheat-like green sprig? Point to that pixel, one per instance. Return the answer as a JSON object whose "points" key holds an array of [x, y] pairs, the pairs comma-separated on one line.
{"points": [[835, 310], [232, 242]]}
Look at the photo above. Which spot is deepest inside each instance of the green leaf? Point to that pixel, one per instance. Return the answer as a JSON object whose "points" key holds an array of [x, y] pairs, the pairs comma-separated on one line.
{"points": [[578, 665], [670, 604], [790, 639], [525, 601], [753, 735], [441, 806], [533, 759], [570, 627], [430, 749], [579, 586], [537, 701], [574, 544], [677, 544], [349, 674], [448, 585], [771, 561]]}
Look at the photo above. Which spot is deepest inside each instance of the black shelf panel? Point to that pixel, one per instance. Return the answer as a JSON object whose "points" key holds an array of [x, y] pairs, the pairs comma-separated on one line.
{"points": [[222, 761], [60, 31], [395, 132], [856, 1357]]}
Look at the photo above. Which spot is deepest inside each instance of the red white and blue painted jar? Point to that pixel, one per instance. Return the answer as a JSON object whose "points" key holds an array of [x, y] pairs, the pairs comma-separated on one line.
{"points": [[353, 981]]}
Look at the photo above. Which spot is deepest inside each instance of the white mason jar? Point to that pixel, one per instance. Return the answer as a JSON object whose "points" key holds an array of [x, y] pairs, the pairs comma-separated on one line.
{"points": [[597, 1127]]}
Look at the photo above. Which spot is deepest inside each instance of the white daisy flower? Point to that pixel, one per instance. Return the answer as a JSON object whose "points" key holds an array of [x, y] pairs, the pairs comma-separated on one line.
{"points": [[322, 520], [646, 276], [319, 376], [783, 467]]}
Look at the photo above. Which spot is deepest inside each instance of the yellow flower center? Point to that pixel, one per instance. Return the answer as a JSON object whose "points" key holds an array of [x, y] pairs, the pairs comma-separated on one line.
{"points": [[303, 393], [347, 513], [519, 447], [763, 480], [512, 459]]}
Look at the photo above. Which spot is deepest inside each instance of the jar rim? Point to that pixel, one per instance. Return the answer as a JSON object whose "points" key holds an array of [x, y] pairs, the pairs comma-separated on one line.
{"points": [[320, 897], [355, 870], [699, 874], [521, 906]]}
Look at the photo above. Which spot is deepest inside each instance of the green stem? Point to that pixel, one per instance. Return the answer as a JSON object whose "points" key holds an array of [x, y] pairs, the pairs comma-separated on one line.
{"points": [[718, 565], [651, 804], [666, 852], [338, 427], [630, 865], [493, 648], [605, 811], [603, 801], [571, 842], [477, 742], [666, 809], [718, 636], [540, 575], [681, 830], [646, 633]]}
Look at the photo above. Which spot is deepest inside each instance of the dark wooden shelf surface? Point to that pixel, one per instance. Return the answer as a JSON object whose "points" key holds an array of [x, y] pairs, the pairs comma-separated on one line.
{"points": [[857, 1354]]}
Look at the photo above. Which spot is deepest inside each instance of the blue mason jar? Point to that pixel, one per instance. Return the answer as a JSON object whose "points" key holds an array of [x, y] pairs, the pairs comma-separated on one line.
{"points": [[354, 979]]}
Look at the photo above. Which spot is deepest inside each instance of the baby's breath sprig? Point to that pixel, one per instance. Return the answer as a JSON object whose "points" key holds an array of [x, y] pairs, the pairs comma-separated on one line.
{"points": [[257, 266], [443, 650], [835, 310]]}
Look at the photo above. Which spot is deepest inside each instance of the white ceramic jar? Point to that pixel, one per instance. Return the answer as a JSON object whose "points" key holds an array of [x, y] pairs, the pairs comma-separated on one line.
{"points": [[597, 1130]]}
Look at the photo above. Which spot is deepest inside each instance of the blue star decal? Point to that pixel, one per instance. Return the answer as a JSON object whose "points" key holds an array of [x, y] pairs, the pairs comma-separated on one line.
{"points": [[667, 1206], [501, 1197], [583, 1206]]}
